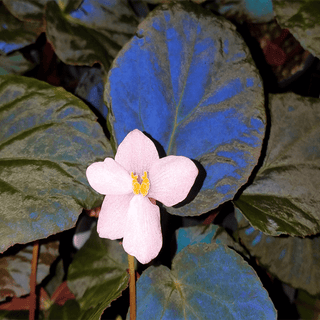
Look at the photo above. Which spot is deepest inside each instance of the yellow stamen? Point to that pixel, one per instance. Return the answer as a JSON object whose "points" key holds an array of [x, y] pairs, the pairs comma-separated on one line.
{"points": [[142, 188]]}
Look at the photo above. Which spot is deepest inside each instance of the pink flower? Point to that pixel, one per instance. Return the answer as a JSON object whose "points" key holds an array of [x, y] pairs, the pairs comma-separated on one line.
{"points": [[131, 182]]}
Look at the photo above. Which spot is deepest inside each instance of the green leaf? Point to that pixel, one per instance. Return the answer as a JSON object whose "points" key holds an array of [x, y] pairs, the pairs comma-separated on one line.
{"points": [[302, 18], [69, 5], [97, 275], [16, 34], [307, 306], [207, 281], [18, 315], [293, 260], [14, 63], [187, 80], [284, 197], [48, 138], [15, 269], [69, 311], [95, 32], [33, 10]]}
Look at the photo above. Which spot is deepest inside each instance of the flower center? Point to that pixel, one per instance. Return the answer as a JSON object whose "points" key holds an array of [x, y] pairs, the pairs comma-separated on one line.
{"points": [[142, 188]]}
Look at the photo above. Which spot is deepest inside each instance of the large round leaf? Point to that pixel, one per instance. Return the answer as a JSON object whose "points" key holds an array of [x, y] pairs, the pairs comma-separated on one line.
{"points": [[48, 138], [98, 275], [301, 17], [207, 281], [188, 80], [293, 260], [284, 197]]}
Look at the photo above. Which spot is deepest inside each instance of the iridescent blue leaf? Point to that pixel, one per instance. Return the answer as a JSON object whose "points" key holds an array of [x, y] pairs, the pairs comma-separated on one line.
{"points": [[90, 89], [206, 234], [192, 235], [207, 281], [188, 80], [48, 138], [254, 11]]}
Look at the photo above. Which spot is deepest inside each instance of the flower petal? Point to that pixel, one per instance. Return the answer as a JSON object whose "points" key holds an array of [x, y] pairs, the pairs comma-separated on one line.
{"points": [[109, 177], [113, 216], [142, 237], [136, 152], [171, 179]]}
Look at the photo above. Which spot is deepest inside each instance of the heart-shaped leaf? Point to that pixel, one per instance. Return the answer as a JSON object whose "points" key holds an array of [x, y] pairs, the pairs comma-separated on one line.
{"points": [[16, 34], [48, 138], [302, 18], [207, 281], [188, 80], [15, 269], [95, 32], [293, 260], [284, 197], [97, 275]]}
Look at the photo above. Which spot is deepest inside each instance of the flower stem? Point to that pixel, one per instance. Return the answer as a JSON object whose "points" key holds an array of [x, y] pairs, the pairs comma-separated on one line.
{"points": [[132, 288], [33, 281]]}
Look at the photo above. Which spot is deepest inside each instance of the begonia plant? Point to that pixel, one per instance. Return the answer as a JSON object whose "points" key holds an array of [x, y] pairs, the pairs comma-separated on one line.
{"points": [[152, 167]]}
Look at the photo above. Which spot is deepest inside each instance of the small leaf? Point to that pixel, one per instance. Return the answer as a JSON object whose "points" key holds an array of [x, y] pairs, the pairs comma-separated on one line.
{"points": [[95, 32], [253, 11], [188, 80], [14, 63], [301, 17], [48, 138], [90, 89], [207, 281], [15, 269], [192, 235], [293, 260], [97, 275], [284, 197]]}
